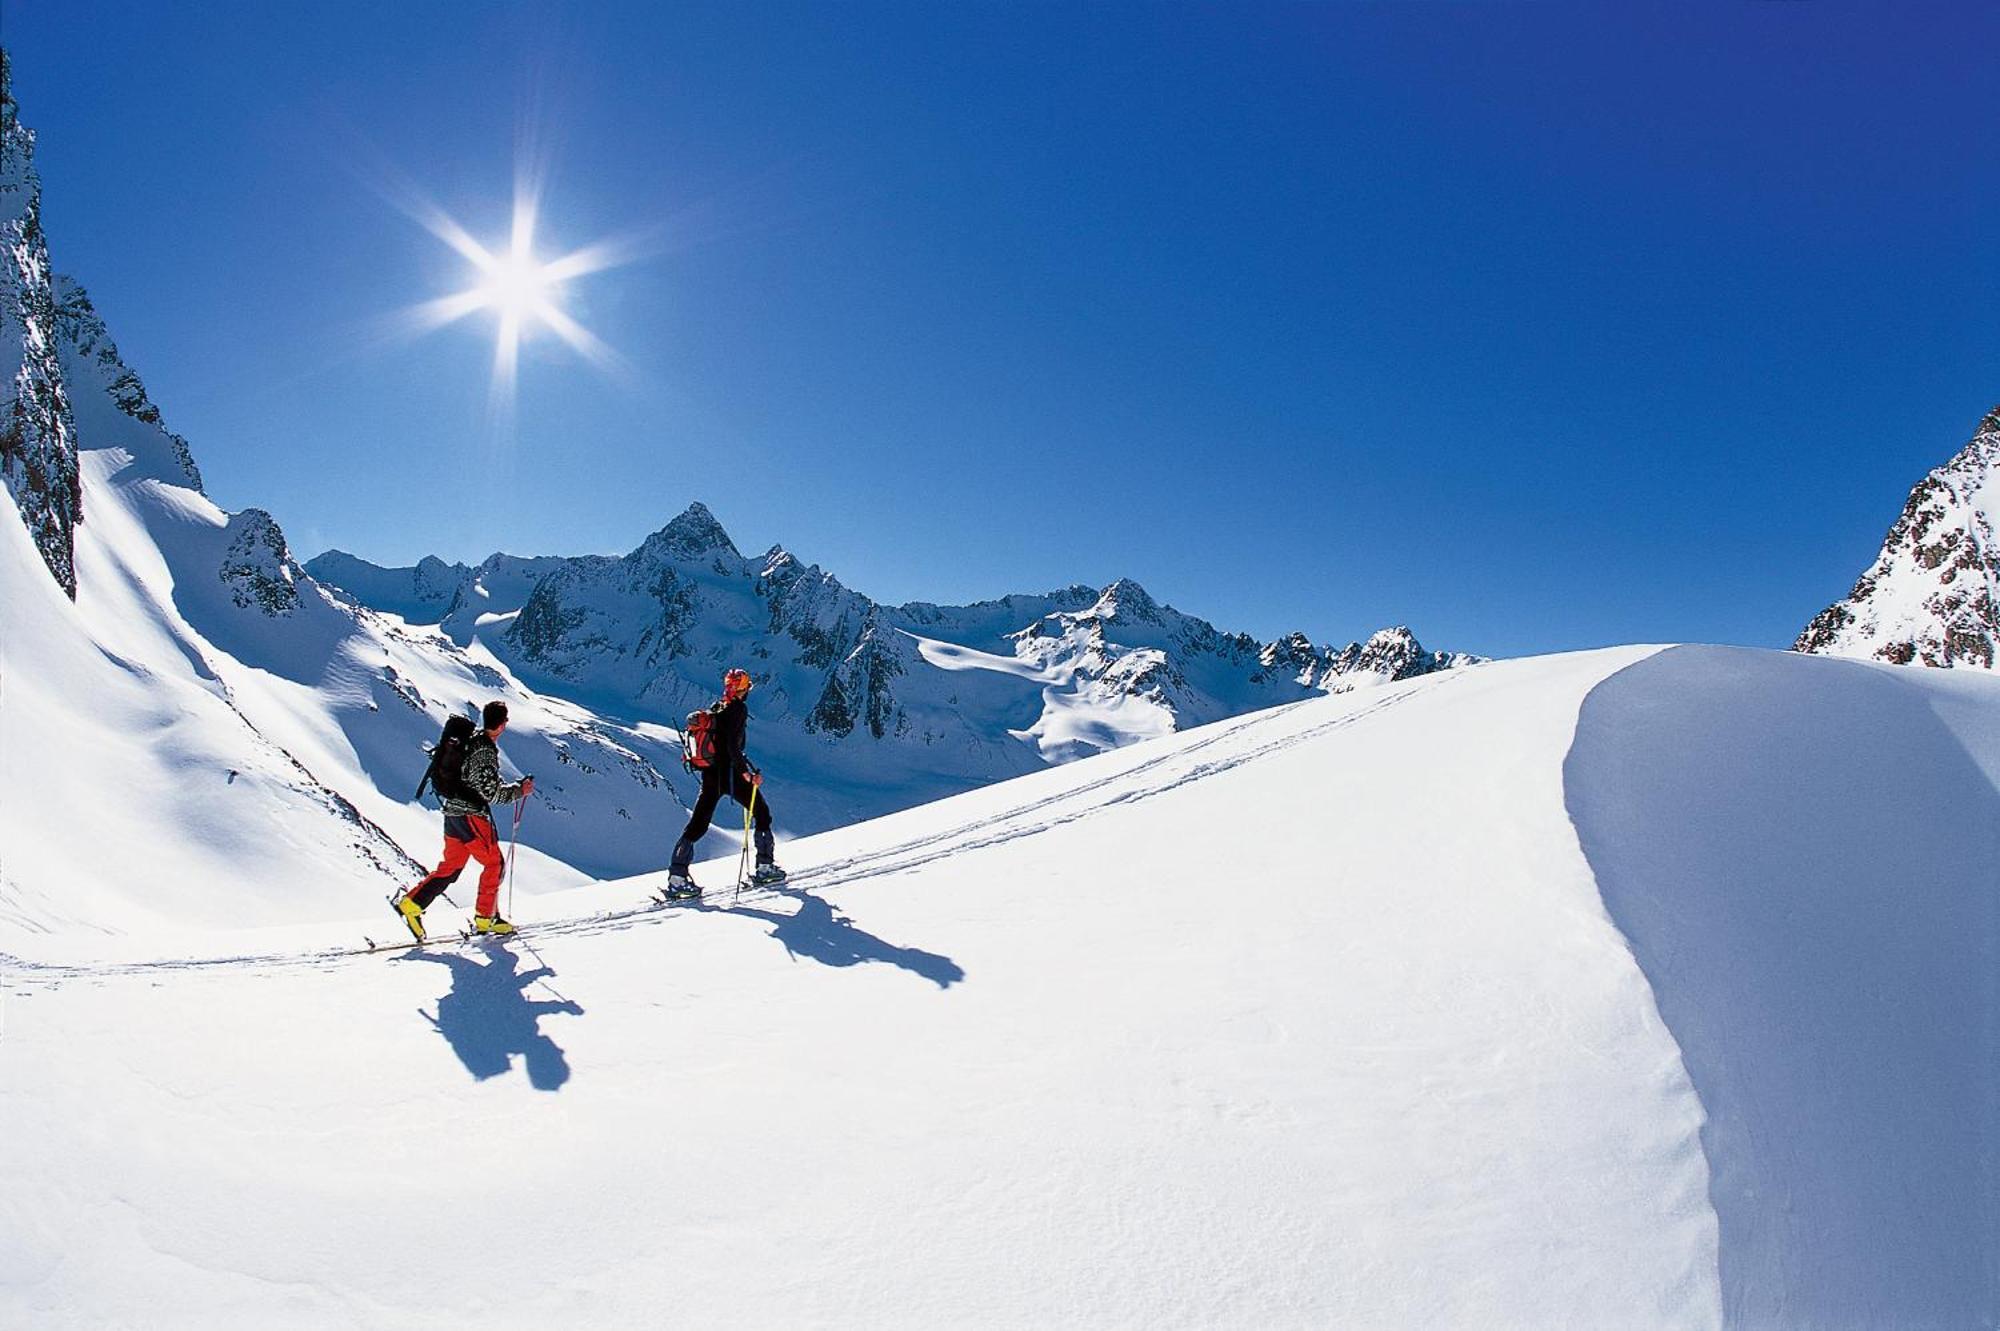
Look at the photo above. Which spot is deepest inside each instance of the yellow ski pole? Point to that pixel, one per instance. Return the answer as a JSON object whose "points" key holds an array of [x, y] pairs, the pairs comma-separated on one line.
{"points": [[743, 860]]}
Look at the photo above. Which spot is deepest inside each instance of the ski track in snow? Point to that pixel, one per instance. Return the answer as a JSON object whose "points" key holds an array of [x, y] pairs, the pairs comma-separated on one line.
{"points": [[1150, 778]]}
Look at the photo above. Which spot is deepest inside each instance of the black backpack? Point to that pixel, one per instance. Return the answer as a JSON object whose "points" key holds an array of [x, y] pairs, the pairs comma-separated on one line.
{"points": [[448, 759]]}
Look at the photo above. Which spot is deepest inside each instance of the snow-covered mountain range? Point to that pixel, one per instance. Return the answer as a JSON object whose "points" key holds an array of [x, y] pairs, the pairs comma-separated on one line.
{"points": [[1929, 596], [865, 707]]}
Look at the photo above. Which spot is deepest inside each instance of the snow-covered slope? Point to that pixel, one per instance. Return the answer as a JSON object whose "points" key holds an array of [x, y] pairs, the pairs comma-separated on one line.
{"points": [[1929, 596], [1597, 990], [863, 708]]}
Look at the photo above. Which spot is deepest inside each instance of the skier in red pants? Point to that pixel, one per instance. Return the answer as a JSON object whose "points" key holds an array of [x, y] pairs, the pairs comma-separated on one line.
{"points": [[467, 779]]}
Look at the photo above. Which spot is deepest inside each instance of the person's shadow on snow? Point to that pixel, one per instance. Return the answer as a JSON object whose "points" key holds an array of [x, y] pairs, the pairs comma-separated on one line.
{"points": [[487, 1017], [815, 932]]}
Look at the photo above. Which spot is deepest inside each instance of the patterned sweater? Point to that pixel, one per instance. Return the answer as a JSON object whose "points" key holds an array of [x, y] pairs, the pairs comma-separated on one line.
{"points": [[481, 774]]}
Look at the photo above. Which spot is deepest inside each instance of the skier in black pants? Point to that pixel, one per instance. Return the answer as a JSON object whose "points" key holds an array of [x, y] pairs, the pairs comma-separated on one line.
{"points": [[729, 771]]}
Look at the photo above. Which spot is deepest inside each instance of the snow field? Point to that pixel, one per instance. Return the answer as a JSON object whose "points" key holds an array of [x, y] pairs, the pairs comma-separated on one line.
{"points": [[1308, 1017]]}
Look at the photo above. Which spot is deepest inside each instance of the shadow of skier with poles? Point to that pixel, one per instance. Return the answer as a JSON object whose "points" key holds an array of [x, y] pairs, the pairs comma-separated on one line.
{"points": [[816, 932], [487, 1017]]}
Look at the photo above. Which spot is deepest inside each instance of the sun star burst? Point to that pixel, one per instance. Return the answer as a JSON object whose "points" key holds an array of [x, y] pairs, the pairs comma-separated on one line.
{"points": [[523, 291]]}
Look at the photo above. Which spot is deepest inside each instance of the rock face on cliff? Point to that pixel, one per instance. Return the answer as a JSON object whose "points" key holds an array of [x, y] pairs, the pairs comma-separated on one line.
{"points": [[1928, 598], [110, 403], [1391, 654], [37, 429]]}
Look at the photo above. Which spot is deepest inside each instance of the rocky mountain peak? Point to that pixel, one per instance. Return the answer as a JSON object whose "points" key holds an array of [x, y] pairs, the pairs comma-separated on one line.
{"points": [[258, 568], [1389, 654], [1929, 598], [1291, 657], [1126, 600], [17, 141], [693, 534], [94, 365]]}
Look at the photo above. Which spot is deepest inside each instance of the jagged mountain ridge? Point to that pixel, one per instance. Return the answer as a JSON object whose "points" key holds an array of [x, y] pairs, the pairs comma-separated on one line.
{"points": [[1929, 596], [963, 693]]}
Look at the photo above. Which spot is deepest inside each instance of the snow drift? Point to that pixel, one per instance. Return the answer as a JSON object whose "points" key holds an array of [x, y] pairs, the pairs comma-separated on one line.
{"points": [[1801, 853]]}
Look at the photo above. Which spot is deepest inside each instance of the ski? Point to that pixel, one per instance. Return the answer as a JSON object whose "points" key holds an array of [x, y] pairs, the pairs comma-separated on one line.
{"points": [[407, 943], [441, 940], [747, 888]]}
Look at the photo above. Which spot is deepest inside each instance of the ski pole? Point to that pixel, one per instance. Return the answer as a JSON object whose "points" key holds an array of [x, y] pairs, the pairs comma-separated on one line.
{"points": [[512, 842], [743, 860]]}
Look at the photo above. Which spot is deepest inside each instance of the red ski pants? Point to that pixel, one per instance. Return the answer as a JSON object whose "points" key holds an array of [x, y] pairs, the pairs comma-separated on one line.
{"points": [[468, 837]]}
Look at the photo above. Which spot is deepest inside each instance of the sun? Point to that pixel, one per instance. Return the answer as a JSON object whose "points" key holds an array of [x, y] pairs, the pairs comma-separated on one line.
{"points": [[523, 291], [518, 286]]}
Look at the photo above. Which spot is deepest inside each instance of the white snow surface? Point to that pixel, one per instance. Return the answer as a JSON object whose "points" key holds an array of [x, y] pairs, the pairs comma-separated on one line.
{"points": [[1323, 1015]]}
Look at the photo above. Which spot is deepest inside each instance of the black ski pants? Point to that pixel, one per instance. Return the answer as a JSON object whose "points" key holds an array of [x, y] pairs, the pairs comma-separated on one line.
{"points": [[713, 785]]}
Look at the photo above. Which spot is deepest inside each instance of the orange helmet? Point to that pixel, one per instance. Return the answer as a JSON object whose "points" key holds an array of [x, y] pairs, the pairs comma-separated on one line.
{"points": [[735, 684]]}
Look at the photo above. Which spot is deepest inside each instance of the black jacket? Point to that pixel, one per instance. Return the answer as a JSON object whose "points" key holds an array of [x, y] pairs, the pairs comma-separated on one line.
{"points": [[730, 724]]}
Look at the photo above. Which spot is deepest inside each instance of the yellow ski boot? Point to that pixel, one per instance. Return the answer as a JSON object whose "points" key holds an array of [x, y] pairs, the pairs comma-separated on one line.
{"points": [[413, 915], [490, 924]]}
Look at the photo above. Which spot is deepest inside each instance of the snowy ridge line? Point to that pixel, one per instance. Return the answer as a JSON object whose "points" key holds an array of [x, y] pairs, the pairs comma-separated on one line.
{"points": [[915, 853]]}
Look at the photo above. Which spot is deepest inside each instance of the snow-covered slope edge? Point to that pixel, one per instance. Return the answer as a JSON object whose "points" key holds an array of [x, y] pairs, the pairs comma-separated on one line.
{"points": [[1802, 854], [1929, 596]]}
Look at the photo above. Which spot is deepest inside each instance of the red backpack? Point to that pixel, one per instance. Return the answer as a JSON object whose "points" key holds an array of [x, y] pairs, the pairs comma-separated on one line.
{"points": [[698, 738]]}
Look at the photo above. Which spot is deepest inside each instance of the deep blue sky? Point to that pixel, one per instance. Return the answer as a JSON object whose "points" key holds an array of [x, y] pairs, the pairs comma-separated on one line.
{"points": [[1532, 326]]}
